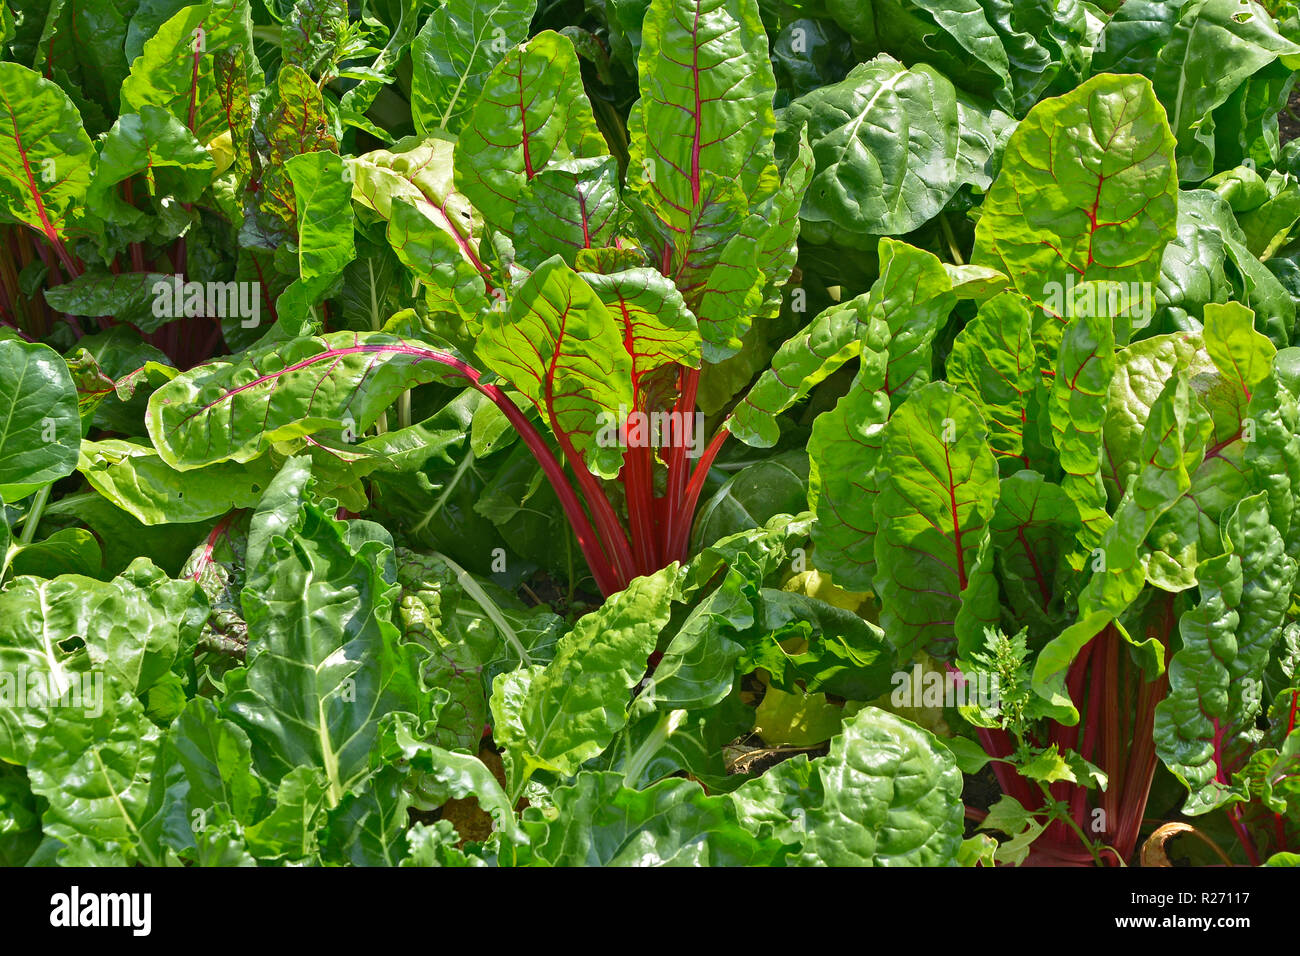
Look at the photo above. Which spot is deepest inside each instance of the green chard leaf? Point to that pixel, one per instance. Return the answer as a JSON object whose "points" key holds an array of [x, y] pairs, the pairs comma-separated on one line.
{"points": [[898, 319], [178, 67], [45, 154], [1087, 191], [1085, 365], [324, 660], [559, 716], [130, 631], [42, 427], [441, 243], [938, 489], [157, 145], [561, 347], [1215, 678], [843, 455], [994, 363], [325, 226], [570, 205], [203, 778], [455, 51], [136, 479], [235, 410], [1034, 530], [885, 140], [1173, 444], [1212, 49], [887, 794], [532, 112], [702, 178], [833, 338], [597, 821]]}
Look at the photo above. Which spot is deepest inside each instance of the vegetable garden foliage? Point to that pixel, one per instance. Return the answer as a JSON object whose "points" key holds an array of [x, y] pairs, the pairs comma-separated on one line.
{"points": [[695, 432]]}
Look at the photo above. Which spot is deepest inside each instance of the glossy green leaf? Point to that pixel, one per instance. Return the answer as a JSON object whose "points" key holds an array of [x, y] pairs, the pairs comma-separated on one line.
{"points": [[572, 204], [203, 777], [178, 70], [1085, 365], [325, 223], [914, 294], [1214, 46], [235, 410], [94, 771], [939, 486], [45, 154], [658, 329], [126, 297], [368, 827], [1087, 191], [138, 481], [1241, 354], [887, 794], [753, 495], [698, 667], [532, 112], [1173, 443], [453, 53], [421, 174], [843, 455], [885, 141], [570, 710], [833, 338], [1033, 530], [41, 429], [599, 822], [807, 644], [1208, 217], [994, 363], [157, 145], [324, 660], [561, 347], [1214, 678], [704, 119], [129, 632], [891, 797]]}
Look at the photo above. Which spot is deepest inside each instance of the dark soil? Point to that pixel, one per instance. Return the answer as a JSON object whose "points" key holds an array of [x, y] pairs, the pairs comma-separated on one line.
{"points": [[1289, 119]]}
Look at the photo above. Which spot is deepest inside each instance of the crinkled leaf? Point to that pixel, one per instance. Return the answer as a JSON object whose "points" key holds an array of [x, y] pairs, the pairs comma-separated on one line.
{"points": [[1087, 190], [324, 660], [532, 111], [939, 485], [561, 347], [885, 141], [453, 53], [597, 821], [571, 709], [234, 410]]}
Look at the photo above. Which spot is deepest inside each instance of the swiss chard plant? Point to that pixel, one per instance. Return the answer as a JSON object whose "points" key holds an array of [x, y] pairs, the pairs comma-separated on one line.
{"points": [[368, 379], [1072, 481], [599, 304]]}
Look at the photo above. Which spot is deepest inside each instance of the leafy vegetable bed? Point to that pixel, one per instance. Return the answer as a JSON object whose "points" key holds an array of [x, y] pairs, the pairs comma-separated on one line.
{"points": [[701, 432]]}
